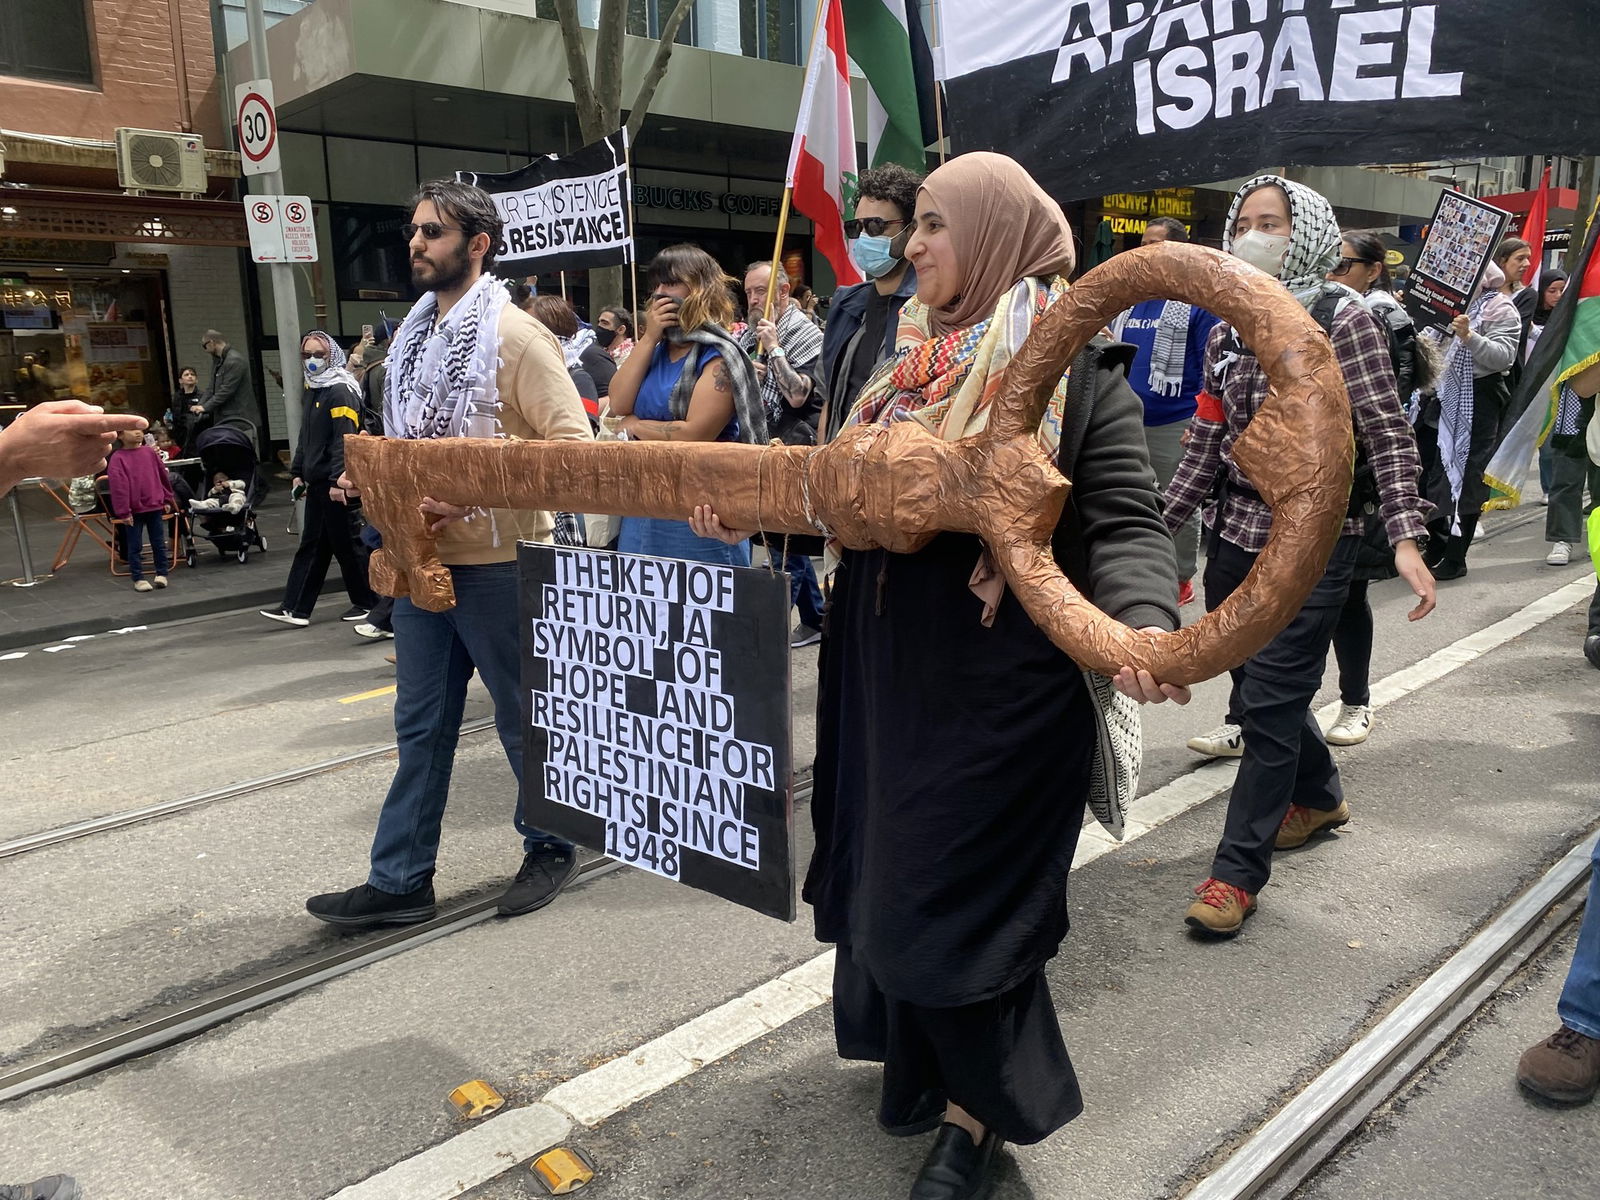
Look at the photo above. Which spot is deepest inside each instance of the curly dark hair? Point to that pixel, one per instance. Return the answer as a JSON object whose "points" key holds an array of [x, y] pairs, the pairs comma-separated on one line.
{"points": [[893, 184], [470, 207]]}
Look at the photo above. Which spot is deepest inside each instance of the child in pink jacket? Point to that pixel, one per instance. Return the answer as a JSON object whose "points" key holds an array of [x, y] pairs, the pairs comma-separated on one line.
{"points": [[141, 496]]}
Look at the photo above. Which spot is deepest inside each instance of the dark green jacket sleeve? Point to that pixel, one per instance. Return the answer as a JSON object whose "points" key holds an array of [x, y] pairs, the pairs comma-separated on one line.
{"points": [[1127, 562]]}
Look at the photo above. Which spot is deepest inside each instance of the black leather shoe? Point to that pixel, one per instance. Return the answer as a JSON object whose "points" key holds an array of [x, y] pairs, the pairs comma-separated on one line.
{"points": [[365, 907], [1591, 649], [545, 871], [957, 1168], [1450, 568], [926, 1115]]}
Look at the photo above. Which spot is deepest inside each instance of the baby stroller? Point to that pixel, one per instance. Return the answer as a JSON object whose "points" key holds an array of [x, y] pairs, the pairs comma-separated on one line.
{"points": [[232, 451]]}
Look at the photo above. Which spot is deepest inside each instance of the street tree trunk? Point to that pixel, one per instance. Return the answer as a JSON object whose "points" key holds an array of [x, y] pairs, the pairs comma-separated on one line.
{"points": [[597, 96]]}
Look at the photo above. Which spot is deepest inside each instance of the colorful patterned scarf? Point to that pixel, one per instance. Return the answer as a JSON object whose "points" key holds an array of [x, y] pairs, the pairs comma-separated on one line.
{"points": [[948, 382]]}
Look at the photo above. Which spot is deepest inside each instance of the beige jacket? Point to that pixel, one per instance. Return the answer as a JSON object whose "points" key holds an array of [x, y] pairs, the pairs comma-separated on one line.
{"points": [[537, 401]]}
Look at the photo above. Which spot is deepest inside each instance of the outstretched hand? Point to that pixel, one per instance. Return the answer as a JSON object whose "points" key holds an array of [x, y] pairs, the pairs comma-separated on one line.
{"points": [[60, 439]]}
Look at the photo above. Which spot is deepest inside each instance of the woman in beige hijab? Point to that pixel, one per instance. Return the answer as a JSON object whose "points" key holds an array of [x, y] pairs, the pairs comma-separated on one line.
{"points": [[953, 740]]}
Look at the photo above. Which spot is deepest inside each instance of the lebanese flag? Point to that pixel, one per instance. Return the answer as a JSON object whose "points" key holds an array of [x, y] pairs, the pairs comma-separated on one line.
{"points": [[1533, 230], [823, 157]]}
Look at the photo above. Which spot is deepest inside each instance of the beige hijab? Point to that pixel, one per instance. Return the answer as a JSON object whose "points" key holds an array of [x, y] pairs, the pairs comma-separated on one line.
{"points": [[1003, 227]]}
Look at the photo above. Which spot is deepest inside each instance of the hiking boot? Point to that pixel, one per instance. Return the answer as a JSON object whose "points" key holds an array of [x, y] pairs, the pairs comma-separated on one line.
{"points": [[1352, 726], [1186, 592], [1560, 555], [368, 630], [365, 907], [143, 585], [1225, 741], [285, 617], [1221, 909], [1565, 1067], [354, 613], [545, 871], [805, 635], [1300, 823], [51, 1187]]}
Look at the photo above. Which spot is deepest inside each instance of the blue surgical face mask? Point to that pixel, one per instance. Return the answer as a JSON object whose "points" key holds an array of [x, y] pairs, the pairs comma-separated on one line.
{"points": [[874, 255]]}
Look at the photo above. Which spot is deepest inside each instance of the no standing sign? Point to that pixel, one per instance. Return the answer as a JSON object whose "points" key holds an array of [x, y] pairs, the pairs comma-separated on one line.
{"points": [[258, 127]]}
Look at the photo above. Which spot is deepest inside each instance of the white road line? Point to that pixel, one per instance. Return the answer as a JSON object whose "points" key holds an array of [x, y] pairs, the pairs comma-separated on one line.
{"points": [[13, 655], [511, 1137]]}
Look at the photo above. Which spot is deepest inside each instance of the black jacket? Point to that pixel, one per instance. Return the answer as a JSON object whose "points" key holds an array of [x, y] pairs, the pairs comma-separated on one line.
{"points": [[231, 399], [329, 414], [840, 345]]}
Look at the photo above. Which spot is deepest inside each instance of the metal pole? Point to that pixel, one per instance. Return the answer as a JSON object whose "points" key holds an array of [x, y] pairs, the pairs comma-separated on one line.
{"points": [[22, 541], [281, 274]]}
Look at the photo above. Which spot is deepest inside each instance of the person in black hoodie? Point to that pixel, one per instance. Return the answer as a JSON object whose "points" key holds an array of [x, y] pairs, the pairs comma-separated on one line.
{"points": [[331, 526]]}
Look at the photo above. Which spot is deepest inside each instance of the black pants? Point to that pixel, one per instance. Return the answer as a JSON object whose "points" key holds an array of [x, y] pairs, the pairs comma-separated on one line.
{"points": [[1352, 646], [1594, 614], [381, 614], [331, 530], [1003, 1060], [1285, 759]]}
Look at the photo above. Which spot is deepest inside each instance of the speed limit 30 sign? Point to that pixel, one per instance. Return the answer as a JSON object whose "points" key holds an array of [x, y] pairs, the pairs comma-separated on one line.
{"points": [[258, 127]]}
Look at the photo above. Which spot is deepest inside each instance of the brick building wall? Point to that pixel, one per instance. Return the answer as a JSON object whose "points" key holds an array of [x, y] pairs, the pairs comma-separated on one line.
{"points": [[136, 77]]}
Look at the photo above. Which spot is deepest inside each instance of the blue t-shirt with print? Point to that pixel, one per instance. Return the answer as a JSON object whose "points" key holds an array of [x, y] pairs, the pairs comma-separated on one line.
{"points": [[1140, 332]]}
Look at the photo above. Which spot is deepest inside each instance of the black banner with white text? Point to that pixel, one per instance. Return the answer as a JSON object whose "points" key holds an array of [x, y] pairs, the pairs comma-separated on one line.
{"points": [[1097, 96], [564, 214]]}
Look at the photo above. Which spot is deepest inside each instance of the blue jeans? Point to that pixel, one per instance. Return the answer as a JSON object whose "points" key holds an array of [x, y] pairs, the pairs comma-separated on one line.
{"points": [[153, 524], [435, 654], [803, 589], [1580, 999]]}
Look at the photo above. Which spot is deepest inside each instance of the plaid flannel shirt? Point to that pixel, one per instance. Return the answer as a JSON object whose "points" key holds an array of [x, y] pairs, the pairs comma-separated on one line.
{"points": [[1224, 412]]}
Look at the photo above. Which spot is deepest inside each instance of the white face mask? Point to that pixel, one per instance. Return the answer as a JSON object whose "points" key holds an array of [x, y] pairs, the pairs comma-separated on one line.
{"points": [[1264, 251]]}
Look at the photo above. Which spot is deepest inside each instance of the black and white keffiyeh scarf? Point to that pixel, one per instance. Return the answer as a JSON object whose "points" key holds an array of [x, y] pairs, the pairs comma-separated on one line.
{"points": [[1171, 347], [747, 404], [801, 342], [441, 381]]}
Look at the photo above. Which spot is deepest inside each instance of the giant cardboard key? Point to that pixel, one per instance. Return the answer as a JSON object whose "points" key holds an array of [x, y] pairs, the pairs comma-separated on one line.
{"points": [[898, 486]]}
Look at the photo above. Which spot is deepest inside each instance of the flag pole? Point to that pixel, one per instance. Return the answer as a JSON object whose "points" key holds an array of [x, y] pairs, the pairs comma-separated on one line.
{"points": [[818, 35], [938, 90], [633, 233]]}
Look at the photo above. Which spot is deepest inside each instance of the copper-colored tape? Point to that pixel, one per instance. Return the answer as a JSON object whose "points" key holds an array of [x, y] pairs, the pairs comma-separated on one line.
{"points": [[897, 487]]}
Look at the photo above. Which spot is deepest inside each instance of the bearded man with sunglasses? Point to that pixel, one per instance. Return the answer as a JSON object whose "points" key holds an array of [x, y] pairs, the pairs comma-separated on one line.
{"points": [[464, 363]]}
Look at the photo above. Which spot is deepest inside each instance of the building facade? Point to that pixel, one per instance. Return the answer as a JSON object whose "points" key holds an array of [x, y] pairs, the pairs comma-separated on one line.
{"points": [[113, 262]]}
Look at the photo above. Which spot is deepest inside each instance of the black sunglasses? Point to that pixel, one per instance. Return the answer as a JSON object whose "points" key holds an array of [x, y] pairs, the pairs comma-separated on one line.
{"points": [[431, 230], [874, 226], [1346, 263]]}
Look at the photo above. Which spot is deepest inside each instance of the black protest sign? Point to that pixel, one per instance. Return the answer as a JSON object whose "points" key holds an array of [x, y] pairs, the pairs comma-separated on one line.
{"points": [[1096, 96], [564, 214], [657, 717], [1462, 238]]}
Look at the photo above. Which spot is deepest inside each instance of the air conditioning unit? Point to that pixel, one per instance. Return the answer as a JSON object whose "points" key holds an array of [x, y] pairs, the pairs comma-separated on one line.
{"points": [[154, 160]]}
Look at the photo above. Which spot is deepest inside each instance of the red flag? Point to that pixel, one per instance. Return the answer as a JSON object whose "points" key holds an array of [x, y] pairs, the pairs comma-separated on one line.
{"points": [[822, 161], [1533, 229]]}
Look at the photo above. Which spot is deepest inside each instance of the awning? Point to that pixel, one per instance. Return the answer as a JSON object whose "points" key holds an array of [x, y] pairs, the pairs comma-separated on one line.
{"points": [[37, 213]]}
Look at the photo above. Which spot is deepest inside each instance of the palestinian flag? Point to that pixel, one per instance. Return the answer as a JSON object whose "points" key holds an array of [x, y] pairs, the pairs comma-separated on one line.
{"points": [[1569, 345], [888, 43], [822, 161]]}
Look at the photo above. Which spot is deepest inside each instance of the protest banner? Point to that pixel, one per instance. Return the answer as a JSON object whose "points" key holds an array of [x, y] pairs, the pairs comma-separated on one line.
{"points": [[1462, 238], [1097, 96], [566, 213], [657, 717]]}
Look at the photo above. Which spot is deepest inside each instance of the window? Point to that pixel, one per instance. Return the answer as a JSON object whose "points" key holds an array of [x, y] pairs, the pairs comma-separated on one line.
{"points": [[770, 29], [46, 39]]}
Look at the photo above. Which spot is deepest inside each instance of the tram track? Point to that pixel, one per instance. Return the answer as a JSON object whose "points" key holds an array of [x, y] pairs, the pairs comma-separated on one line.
{"points": [[1309, 1131], [196, 1017]]}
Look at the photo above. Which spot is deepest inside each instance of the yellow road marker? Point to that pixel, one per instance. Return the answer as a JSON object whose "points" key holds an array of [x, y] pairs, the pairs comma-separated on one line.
{"points": [[476, 1099], [563, 1170], [372, 695]]}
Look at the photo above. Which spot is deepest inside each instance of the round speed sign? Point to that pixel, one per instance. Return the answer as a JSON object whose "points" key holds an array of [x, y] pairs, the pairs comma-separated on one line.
{"points": [[258, 131]]}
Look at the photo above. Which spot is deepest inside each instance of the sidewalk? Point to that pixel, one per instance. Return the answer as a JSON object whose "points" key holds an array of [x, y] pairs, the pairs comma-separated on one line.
{"points": [[84, 597]]}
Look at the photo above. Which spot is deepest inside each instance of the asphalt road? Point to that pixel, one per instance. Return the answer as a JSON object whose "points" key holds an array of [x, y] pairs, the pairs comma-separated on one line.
{"points": [[1469, 788]]}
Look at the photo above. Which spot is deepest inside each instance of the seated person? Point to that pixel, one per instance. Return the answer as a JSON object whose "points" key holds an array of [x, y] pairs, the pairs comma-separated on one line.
{"points": [[227, 496]]}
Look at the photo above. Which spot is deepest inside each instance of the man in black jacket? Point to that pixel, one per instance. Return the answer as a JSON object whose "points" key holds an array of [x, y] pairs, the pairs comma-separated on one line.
{"points": [[231, 399], [862, 319], [330, 528]]}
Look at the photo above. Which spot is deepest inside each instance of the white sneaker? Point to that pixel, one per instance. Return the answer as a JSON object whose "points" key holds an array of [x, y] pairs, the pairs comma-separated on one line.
{"points": [[368, 630], [142, 585], [1560, 555], [161, 581], [1225, 741], [1352, 726], [285, 617]]}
